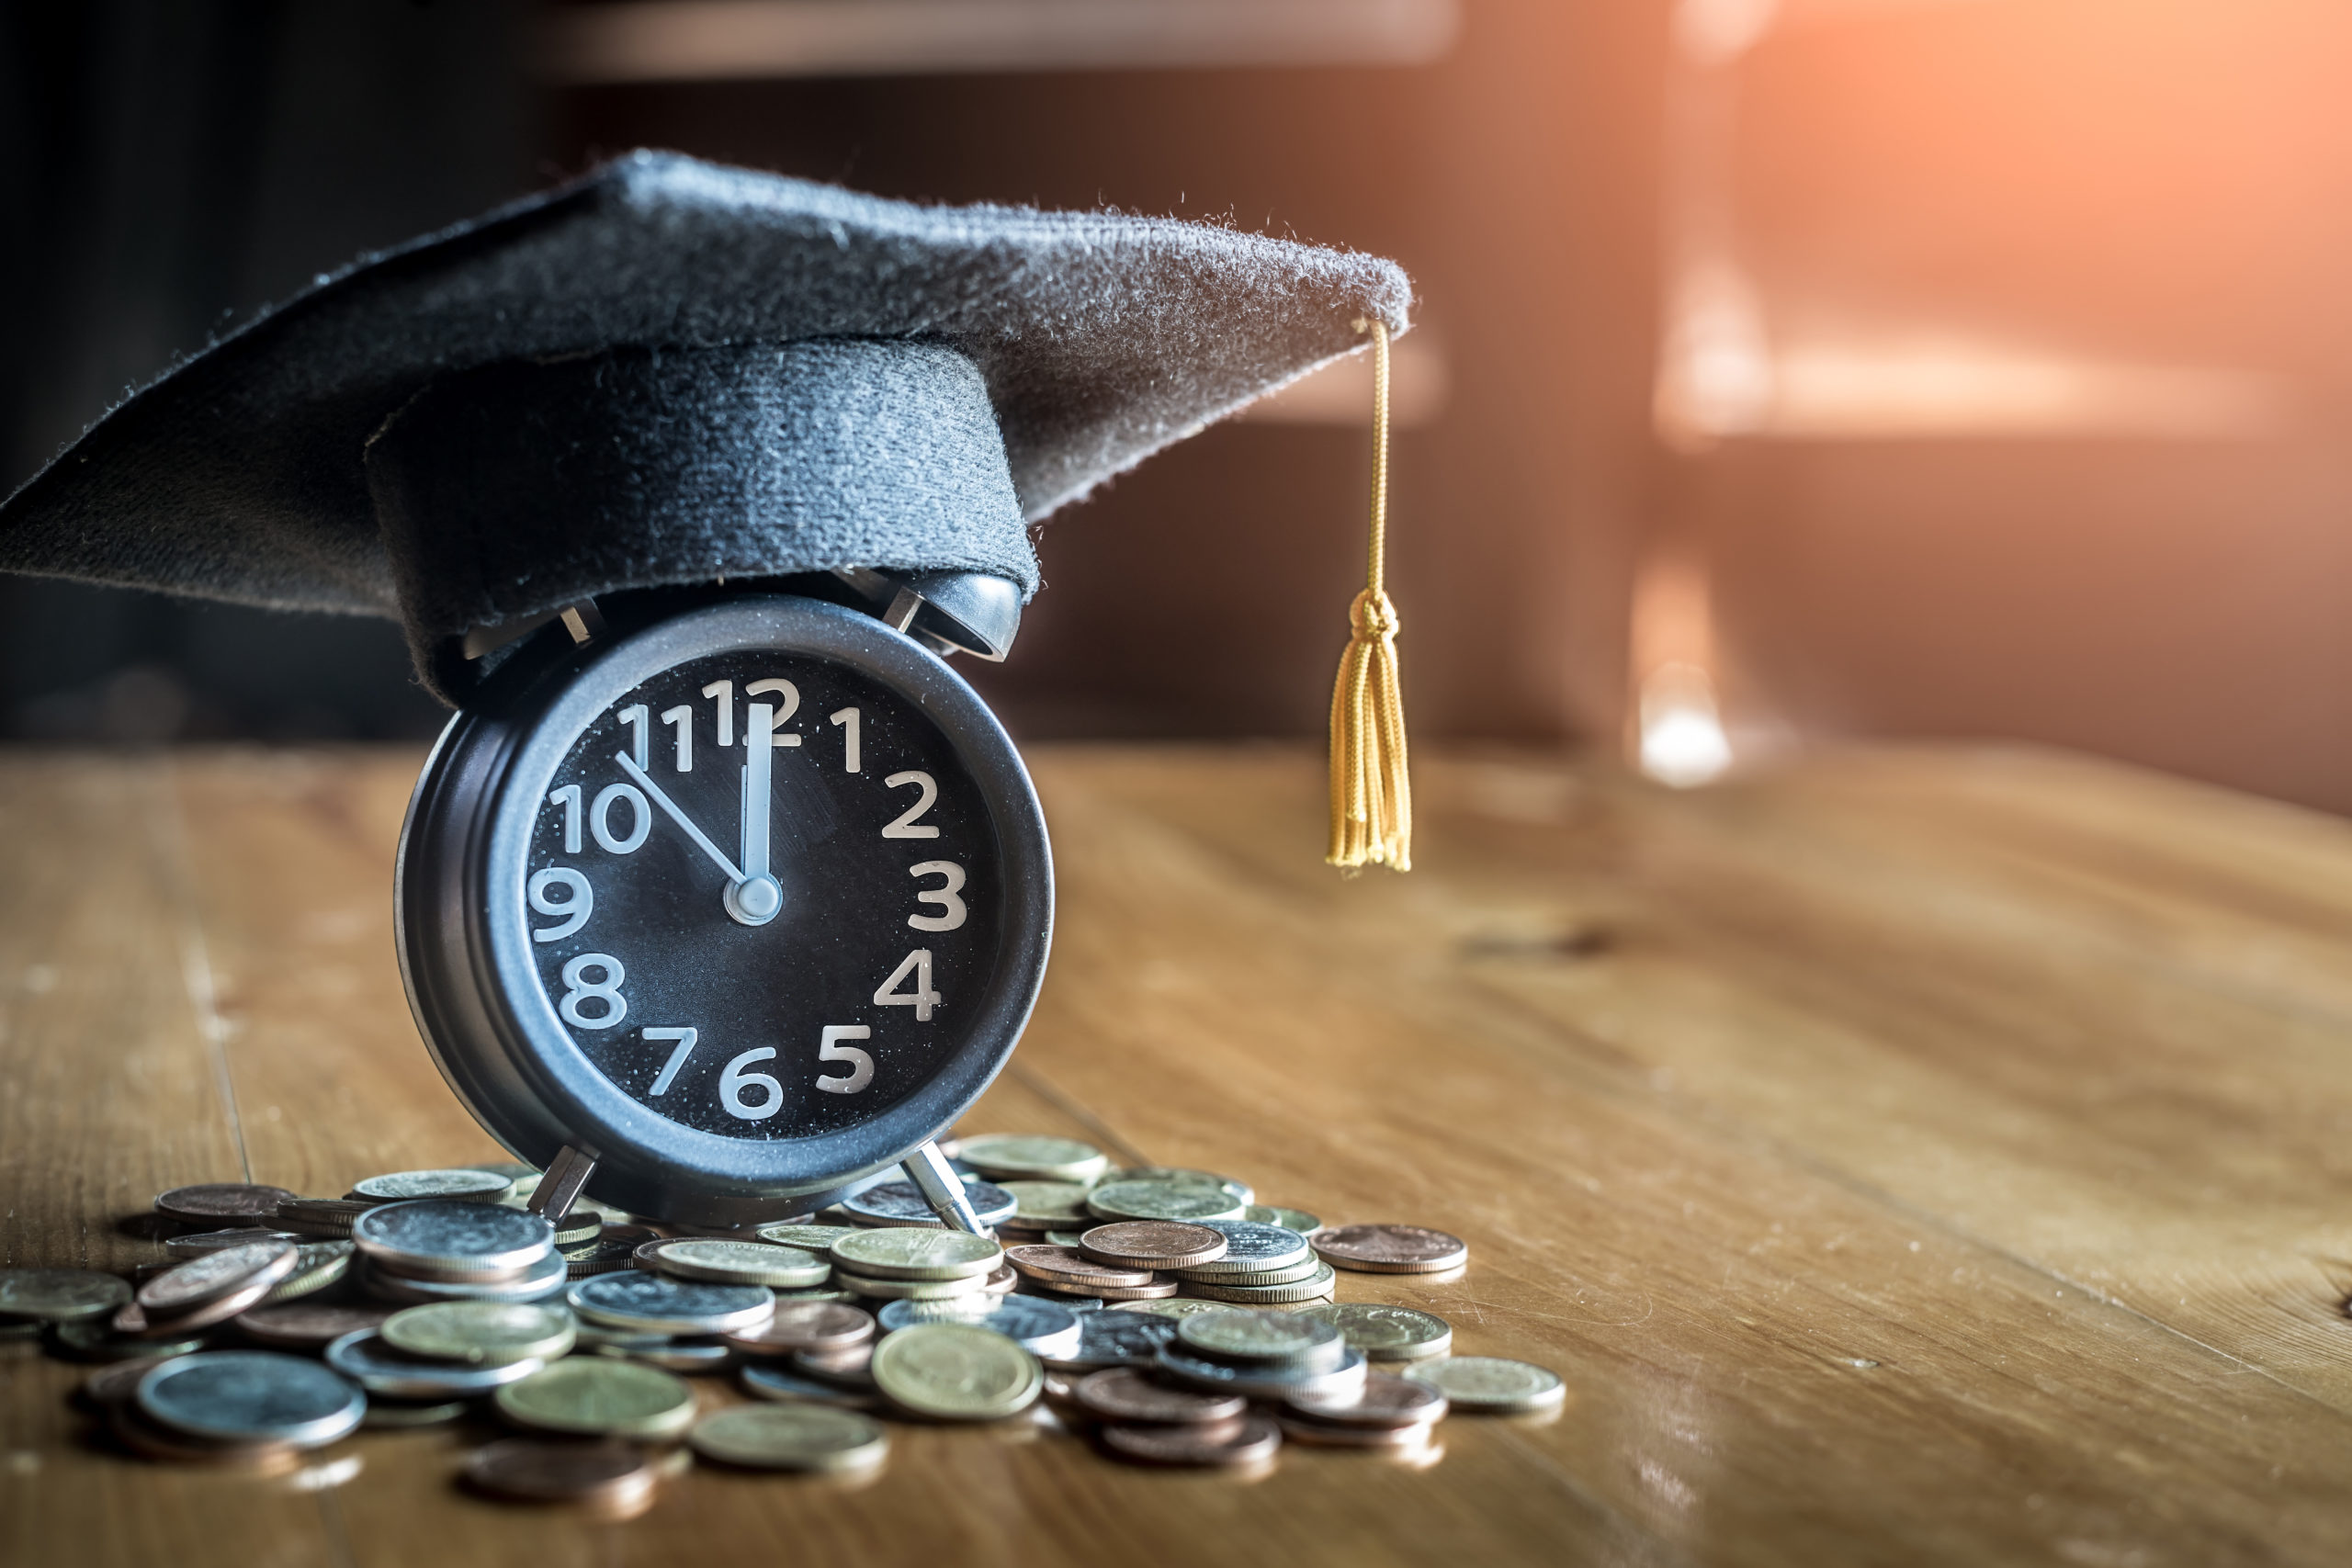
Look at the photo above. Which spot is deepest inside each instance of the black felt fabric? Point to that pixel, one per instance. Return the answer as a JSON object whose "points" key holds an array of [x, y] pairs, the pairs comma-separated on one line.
{"points": [[669, 370]]}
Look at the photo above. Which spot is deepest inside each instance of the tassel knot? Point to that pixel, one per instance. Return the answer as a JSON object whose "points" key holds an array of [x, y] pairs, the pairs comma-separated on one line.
{"points": [[1372, 792]]}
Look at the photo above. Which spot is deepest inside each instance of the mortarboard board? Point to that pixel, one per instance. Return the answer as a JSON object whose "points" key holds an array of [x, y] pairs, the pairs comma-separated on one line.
{"points": [[669, 371]]}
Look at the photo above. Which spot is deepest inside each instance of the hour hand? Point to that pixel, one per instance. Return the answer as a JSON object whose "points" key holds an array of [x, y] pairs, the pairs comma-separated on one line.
{"points": [[702, 840]]}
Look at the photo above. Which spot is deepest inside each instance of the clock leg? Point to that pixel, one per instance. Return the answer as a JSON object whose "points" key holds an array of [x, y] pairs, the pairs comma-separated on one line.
{"points": [[566, 1175], [929, 1170]]}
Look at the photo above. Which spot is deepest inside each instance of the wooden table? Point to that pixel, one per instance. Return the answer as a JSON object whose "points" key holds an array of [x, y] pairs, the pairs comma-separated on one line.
{"points": [[1926, 1155]]}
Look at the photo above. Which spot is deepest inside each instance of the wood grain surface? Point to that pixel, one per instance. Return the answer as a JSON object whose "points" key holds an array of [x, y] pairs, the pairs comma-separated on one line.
{"points": [[1931, 1156]]}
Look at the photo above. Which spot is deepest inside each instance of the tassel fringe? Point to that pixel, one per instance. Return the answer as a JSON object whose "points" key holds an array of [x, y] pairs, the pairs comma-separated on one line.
{"points": [[1372, 792]]}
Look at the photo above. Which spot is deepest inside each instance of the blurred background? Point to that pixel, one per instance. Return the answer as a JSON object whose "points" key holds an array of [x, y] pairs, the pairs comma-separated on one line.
{"points": [[1789, 370]]}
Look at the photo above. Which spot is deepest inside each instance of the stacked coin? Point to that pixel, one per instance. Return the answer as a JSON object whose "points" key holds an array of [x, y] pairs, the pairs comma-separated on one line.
{"points": [[211, 1288], [437, 1249], [1154, 1422], [1264, 1355], [664, 1323], [252, 1409], [1393, 1414], [911, 1263]]}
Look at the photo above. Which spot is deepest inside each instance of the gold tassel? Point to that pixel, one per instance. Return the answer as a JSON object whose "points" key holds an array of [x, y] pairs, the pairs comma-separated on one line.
{"points": [[1372, 796]]}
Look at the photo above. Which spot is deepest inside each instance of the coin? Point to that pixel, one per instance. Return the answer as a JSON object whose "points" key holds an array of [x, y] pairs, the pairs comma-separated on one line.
{"points": [[1316, 1286], [1061, 1264], [1330, 1434], [1183, 1306], [533, 1470], [444, 1236], [954, 1371], [201, 1280], [1043, 1206], [1306, 1267], [307, 1325], [1391, 1249], [909, 1289], [736, 1262], [998, 1155], [1123, 1393], [805, 1325], [764, 1382], [809, 1238], [112, 1384], [406, 1415], [1139, 1199], [1490, 1384], [1239, 1191], [1341, 1380], [317, 1265], [1251, 1248], [55, 1294], [364, 1357], [1258, 1338], [482, 1334], [1066, 1288], [1297, 1220], [331, 1217], [686, 1355], [902, 1204], [251, 1396], [219, 1204], [1153, 1243], [133, 1319], [541, 1282], [1385, 1400], [142, 1435], [1387, 1333], [790, 1437], [1114, 1339], [480, 1185], [910, 1252], [583, 1228], [95, 1339], [601, 1257], [654, 1304], [1042, 1328], [1250, 1440], [599, 1396], [195, 1244]]}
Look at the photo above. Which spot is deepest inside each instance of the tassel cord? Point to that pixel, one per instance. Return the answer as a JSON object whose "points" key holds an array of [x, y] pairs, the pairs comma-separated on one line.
{"points": [[1372, 804]]}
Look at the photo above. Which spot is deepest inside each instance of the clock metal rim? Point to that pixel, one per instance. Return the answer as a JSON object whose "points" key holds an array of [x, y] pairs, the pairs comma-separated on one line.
{"points": [[478, 1000]]}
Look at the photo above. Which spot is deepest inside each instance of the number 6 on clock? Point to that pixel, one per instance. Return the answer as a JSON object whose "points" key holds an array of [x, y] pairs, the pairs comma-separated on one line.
{"points": [[860, 1072]]}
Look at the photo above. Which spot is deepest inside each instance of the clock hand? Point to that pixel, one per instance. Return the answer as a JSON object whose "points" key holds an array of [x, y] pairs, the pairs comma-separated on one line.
{"points": [[757, 899], [638, 776]]}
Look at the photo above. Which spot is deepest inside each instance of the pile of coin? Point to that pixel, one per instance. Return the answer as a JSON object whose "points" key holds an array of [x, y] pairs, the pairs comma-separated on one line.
{"points": [[1163, 1310]]}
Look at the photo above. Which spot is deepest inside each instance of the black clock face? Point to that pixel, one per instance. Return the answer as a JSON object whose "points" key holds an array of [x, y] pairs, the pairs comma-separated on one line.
{"points": [[763, 943]]}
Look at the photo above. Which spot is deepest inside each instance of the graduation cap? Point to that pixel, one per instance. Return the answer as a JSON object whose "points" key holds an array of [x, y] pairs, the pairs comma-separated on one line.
{"points": [[668, 372]]}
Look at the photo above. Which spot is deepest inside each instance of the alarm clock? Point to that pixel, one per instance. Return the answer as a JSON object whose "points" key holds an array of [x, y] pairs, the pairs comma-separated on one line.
{"points": [[723, 911]]}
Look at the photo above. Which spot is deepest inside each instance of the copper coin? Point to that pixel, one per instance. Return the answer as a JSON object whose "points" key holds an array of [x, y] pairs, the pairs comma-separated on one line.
{"points": [[215, 1204], [115, 1383], [307, 1325], [1153, 1243], [1323, 1434], [1153, 1291], [1387, 1401], [542, 1469], [205, 1316], [187, 1286], [1123, 1393], [1063, 1265], [1390, 1250], [821, 1327], [1250, 1441]]}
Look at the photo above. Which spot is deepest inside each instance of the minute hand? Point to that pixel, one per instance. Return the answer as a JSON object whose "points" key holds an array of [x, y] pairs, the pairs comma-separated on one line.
{"points": [[638, 776]]}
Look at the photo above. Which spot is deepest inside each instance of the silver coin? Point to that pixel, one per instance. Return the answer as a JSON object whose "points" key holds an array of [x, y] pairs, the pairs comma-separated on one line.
{"points": [[653, 1305], [1188, 1201], [1388, 1333], [1344, 1381], [1239, 1191], [443, 1236], [541, 1280], [1252, 1248], [1491, 1384], [197, 1243], [93, 1340], [317, 1265], [480, 1185], [902, 1204], [1289, 1274], [1045, 1329], [1297, 1220], [364, 1357], [763, 1380], [1315, 1285], [54, 1294], [1258, 1338], [809, 1238], [251, 1396], [670, 1352], [1116, 1340]]}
